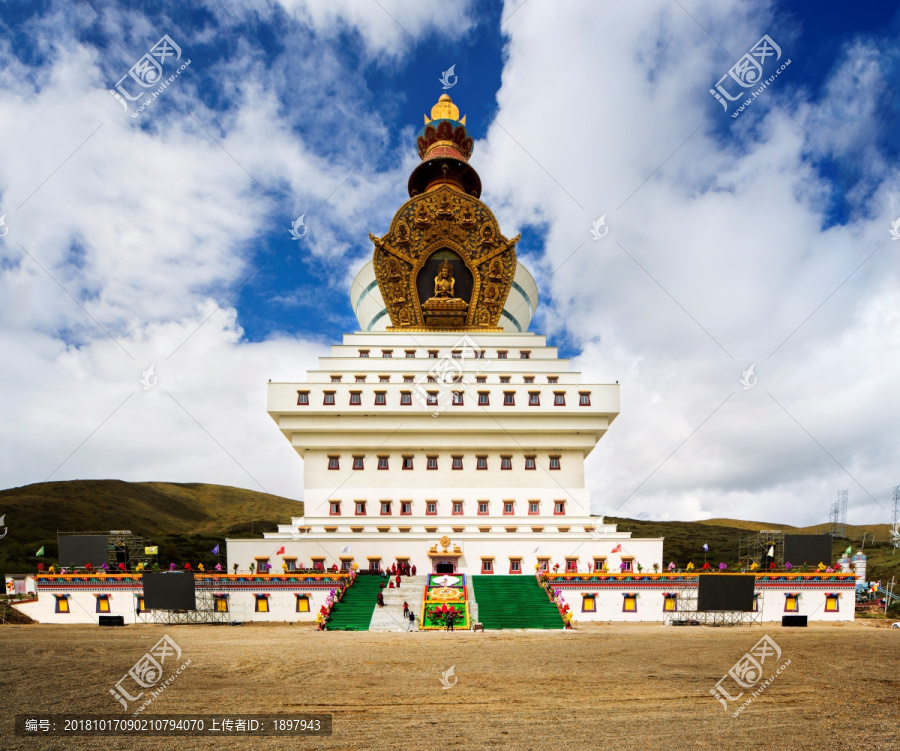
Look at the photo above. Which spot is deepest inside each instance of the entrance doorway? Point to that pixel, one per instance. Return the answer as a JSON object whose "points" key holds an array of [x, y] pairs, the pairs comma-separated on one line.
{"points": [[443, 568]]}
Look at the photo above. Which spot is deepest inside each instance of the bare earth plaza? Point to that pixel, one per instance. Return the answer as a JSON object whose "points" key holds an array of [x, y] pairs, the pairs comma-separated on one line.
{"points": [[476, 539]]}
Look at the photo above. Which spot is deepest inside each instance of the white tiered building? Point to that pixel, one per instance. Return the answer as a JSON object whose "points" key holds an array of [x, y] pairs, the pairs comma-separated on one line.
{"points": [[471, 432]]}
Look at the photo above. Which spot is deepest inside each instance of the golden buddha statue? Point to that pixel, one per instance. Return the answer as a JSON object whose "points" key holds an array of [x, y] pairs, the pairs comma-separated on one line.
{"points": [[444, 281]]}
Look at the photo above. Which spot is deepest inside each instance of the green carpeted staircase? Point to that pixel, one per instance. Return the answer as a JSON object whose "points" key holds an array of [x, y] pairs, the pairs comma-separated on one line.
{"points": [[354, 612], [514, 602]]}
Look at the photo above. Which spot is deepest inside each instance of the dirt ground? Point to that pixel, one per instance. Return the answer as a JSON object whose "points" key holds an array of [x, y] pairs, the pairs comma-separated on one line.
{"points": [[641, 686]]}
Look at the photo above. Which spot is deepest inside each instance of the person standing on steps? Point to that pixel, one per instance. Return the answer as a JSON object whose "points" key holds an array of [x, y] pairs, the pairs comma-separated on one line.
{"points": [[406, 610]]}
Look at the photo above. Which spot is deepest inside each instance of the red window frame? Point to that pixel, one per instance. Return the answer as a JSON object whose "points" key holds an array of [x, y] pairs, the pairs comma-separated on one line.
{"points": [[554, 462], [388, 512], [487, 508], [328, 398], [302, 398], [355, 398], [517, 562], [380, 398], [405, 508], [406, 460], [481, 462], [559, 398], [356, 505], [458, 504], [534, 398], [530, 462], [359, 462], [509, 398], [334, 462], [537, 511], [584, 398], [559, 508], [457, 460], [487, 566], [512, 508], [431, 505], [332, 505], [384, 460]]}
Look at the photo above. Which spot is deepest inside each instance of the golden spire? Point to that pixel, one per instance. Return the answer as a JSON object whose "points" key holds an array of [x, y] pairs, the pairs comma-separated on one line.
{"points": [[445, 110]]}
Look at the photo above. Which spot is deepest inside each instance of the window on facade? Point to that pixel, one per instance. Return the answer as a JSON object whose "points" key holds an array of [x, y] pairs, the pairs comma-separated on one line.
{"points": [[554, 462], [456, 354], [431, 508], [380, 398], [457, 508], [334, 462], [431, 462], [355, 397], [385, 508], [405, 508], [291, 564], [303, 398], [482, 507], [487, 566], [559, 398], [405, 398], [515, 566], [791, 603], [458, 398], [571, 565], [407, 462], [534, 507], [756, 603], [335, 379], [670, 603], [457, 462], [302, 603], [220, 603], [408, 379], [360, 508], [528, 379], [529, 462], [364, 353], [589, 604], [629, 604], [102, 603], [831, 603], [507, 508], [335, 508], [599, 564], [410, 354], [329, 398], [552, 379], [480, 379], [360, 379], [62, 603], [481, 462], [432, 354], [262, 603], [141, 605], [382, 462], [384, 379], [559, 508], [505, 462], [387, 353], [358, 462], [524, 355], [374, 564], [504, 379], [501, 354], [479, 355], [534, 398], [584, 398], [432, 399], [627, 565], [484, 398], [509, 398], [431, 379]]}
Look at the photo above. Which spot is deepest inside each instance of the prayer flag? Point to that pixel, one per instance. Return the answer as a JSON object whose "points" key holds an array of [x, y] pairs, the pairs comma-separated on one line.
{"points": [[40, 552], [705, 547], [152, 550], [280, 550], [215, 550], [771, 552], [617, 549], [849, 551]]}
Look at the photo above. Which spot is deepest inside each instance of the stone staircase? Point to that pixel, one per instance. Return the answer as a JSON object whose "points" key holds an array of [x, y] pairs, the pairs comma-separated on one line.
{"points": [[390, 617]]}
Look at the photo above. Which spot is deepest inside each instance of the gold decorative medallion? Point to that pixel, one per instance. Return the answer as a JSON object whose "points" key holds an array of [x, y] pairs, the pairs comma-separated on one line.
{"points": [[444, 264]]}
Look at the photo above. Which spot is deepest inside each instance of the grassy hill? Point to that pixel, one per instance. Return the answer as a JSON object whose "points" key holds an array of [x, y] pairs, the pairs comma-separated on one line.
{"points": [[187, 520], [184, 520]]}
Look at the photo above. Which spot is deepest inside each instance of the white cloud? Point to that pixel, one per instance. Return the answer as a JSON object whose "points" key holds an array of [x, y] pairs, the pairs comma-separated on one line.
{"points": [[729, 223]]}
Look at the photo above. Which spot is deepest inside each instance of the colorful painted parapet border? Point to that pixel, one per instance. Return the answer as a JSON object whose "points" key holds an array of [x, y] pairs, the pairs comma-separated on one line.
{"points": [[690, 580], [233, 582], [443, 592]]}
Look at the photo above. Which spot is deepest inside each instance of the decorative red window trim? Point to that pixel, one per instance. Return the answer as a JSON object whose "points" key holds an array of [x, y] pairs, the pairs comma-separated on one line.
{"points": [[518, 563], [461, 508], [537, 511], [432, 512], [512, 508], [487, 508], [331, 505], [408, 506], [559, 508]]}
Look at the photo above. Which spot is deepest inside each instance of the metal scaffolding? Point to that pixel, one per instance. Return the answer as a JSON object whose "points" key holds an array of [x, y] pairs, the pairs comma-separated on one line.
{"points": [[205, 612], [121, 547], [757, 548], [895, 520]]}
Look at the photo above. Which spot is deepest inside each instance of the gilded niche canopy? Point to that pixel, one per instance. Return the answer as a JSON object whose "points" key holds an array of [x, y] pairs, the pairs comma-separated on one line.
{"points": [[444, 264]]}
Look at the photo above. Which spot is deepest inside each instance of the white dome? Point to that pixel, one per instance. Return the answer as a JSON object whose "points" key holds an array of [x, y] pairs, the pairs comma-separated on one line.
{"points": [[371, 312]]}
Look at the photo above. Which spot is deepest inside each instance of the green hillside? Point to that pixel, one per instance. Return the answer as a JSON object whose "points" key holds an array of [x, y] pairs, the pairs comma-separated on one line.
{"points": [[185, 520]]}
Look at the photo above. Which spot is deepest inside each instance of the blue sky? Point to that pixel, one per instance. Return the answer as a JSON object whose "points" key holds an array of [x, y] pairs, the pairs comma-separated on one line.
{"points": [[164, 238]]}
